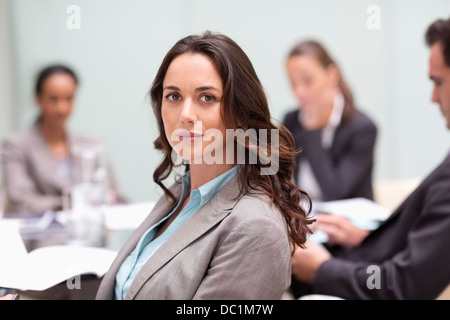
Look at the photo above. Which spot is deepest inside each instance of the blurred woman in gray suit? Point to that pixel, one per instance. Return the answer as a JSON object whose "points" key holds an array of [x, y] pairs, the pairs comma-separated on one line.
{"points": [[38, 164], [227, 227]]}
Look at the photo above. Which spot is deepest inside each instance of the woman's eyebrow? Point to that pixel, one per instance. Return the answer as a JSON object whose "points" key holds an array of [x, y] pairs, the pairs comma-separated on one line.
{"points": [[206, 88], [171, 88], [199, 89]]}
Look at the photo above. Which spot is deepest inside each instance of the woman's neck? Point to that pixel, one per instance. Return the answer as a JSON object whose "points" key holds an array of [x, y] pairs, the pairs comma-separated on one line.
{"points": [[330, 105], [52, 134], [203, 173], [55, 138]]}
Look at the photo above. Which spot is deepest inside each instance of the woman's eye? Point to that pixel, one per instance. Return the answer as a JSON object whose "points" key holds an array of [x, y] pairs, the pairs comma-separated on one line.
{"points": [[173, 97], [207, 98]]}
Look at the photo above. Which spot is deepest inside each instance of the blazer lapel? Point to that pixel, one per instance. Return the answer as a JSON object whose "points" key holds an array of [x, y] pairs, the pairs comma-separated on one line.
{"points": [[161, 208], [203, 220]]}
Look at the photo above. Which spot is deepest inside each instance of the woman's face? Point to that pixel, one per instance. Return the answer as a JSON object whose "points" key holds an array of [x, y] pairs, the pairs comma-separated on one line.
{"points": [[191, 108], [56, 99], [314, 86]]}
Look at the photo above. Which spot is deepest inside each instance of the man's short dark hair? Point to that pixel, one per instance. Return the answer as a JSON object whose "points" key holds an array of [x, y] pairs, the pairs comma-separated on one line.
{"points": [[439, 31]]}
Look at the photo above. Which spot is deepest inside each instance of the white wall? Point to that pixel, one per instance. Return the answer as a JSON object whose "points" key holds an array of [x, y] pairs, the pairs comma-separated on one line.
{"points": [[419, 138], [116, 54], [5, 72], [267, 30], [121, 44]]}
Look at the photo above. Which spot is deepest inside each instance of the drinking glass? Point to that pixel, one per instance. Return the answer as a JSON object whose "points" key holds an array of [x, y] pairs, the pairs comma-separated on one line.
{"points": [[85, 197]]}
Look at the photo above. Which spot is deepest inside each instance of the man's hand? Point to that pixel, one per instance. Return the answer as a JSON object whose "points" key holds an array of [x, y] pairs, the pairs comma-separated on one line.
{"points": [[340, 230], [305, 262]]}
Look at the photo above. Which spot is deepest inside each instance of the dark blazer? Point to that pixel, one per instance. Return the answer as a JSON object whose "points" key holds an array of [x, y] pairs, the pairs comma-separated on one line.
{"points": [[345, 170], [411, 250], [29, 172]]}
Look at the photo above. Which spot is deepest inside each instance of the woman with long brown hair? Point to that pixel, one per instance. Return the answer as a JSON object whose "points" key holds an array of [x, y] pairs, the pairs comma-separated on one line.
{"points": [[227, 228]]}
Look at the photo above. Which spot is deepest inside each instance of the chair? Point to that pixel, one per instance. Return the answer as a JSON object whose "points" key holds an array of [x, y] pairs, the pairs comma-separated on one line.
{"points": [[445, 295], [390, 193]]}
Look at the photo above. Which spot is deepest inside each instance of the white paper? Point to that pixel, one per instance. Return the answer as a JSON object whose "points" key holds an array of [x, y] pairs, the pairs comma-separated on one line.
{"points": [[45, 267], [127, 216], [362, 212], [11, 243], [35, 225], [353, 209]]}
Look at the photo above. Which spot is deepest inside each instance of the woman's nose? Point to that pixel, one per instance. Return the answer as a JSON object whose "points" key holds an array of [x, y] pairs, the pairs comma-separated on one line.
{"points": [[300, 92], [188, 113], [63, 106]]}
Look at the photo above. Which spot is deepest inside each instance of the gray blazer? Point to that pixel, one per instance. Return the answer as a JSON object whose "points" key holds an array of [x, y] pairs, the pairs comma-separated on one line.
{"points": [[230, 249], [29, 172]]}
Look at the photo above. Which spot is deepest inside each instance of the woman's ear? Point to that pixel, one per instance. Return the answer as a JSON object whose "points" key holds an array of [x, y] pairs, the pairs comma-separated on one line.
{"points": [[333, 74]]}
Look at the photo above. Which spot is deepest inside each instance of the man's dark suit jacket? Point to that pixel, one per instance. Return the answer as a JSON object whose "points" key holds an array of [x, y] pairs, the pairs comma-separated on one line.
{"points": [[345, 170], [410, 250]]}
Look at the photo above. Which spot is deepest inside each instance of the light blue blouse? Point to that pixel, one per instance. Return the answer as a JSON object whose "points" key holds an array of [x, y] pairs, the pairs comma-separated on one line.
{"points": [[147, 246]]}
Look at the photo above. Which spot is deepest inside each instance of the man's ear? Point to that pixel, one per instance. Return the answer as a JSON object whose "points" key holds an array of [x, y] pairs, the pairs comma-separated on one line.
{"points": [[37, 99]]}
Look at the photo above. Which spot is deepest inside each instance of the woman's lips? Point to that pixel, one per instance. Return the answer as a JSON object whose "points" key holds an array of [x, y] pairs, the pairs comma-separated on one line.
{"points": [[189, 136]]}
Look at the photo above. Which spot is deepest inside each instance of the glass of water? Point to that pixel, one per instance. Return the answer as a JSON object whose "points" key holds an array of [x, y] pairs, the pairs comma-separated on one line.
{"points": [[85, 198], [85, 220]]}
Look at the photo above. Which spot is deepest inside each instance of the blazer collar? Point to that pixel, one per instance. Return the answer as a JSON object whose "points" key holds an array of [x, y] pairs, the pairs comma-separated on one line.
{"points": [[203, 220]]}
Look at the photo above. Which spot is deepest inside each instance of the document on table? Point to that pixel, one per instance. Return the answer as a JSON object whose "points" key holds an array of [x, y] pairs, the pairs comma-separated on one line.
{"points": [[363, 213], [354, 209], [45, 267]]}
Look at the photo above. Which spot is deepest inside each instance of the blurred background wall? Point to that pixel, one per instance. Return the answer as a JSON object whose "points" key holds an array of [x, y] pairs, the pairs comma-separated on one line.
{"points": [[120, 45]]}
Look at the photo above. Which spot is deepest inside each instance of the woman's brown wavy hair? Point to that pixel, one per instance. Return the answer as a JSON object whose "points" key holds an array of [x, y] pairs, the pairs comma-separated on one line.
{"points": [[244, 105]]}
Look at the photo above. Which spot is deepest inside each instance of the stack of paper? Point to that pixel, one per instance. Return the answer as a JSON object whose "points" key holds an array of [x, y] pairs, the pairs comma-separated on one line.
{"points": [[355, 209], [362, 212]]}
